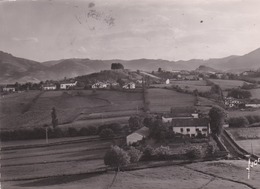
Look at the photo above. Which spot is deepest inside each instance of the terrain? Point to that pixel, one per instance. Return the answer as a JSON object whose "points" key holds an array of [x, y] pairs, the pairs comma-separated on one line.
{"points": [[14, 69]]}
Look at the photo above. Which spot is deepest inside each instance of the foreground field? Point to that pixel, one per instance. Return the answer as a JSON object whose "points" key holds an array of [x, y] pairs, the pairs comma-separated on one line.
{"points": [[207, 175]]}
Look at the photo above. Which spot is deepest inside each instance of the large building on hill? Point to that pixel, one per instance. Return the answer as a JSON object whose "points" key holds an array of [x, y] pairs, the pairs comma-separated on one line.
{"points": [[191, 127]]}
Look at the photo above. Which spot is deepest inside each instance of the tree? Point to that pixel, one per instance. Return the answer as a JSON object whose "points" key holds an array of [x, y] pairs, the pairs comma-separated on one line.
{"points": [[54, 119], [116, 157], [107, 133], [238, 122], [159, 69], [217, 116], [134, 154], [238, 93], [135, 123], [115, 66]]}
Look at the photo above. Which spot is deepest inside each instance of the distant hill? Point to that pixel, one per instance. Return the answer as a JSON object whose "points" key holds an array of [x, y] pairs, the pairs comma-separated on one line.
{"points": [[23, 70], [206, 69]]}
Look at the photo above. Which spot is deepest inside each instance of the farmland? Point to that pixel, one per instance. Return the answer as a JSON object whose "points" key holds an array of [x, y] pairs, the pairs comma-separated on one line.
{"points": [[221, 174], [70, 106], [255, 93], [240, 113], [227, 84], [162, 100], [245, 133], [250, 145], [200, 85]]}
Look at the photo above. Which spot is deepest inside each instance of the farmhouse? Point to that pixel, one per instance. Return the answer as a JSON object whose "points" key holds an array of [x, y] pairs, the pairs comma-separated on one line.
{"points": [[130, 85], [9, 88], [99, 85], [167, 82], [191, 127], [67, 84], [49, 86], [138, 135]]}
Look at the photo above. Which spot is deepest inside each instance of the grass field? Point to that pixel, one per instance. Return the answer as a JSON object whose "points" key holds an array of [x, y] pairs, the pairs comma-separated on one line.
{"points": [[239, 113], [70, 106], [250, 145], [227, 84], [255, 93], [200, 85], [162, 100], [245, 133], [220, 174]]}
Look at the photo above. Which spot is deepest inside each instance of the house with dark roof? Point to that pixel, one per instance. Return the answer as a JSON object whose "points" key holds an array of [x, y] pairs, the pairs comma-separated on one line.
{"points": [[183, 112], [191, 127], [49, 86], [137, 135]]}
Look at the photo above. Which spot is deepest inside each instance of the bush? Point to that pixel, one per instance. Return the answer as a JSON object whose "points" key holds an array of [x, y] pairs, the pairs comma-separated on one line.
{"points": [[162, 152], [238, 122], [194, 153], [116, 157], [72, 132], [107, 133], [148, 152], [134, 154], [253, 119]]}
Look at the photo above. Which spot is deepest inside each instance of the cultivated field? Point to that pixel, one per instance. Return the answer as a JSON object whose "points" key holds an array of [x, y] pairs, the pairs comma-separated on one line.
{"points": [[255, 93], [227, 84], [207, 175], [161, 100], [33, 109], [200, 85], [245, 133], [250, 145], [239, 113]]}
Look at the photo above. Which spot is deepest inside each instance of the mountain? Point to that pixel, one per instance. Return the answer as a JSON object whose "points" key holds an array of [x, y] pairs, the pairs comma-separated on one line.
{"points": [[15, 69]]}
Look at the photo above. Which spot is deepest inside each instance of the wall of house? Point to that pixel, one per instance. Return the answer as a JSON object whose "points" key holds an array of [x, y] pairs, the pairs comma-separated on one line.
{"points": [[192, 131], [166, 119]]}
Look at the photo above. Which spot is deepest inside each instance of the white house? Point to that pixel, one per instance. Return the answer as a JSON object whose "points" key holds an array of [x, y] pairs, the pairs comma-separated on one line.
{"points": [[191, 127], [252, 105], [49, 86], [99, 85], [130, 85], [9, 88], [138, 135], [68, 84], [180, 112], [167, 82]]}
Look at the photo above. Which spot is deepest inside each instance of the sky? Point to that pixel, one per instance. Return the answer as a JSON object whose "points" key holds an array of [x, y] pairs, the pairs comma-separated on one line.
{"points": [[45, 30]]}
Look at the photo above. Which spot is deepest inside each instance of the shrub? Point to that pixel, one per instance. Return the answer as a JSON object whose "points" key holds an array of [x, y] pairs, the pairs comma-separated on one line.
{"points": [[148, 152], [72, 132], [134, 154], [162, 152], [194, 153], [238, 122], [107, 133], [116, 157]]}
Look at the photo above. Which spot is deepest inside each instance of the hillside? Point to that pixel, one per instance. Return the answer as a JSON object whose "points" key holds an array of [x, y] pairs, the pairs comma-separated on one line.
{"points": [[14, 69], [206, 69]]}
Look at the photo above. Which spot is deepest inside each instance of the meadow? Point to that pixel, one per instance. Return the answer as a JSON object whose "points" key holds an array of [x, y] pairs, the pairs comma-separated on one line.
{"points": [[161, 100], [245, 133], [255, 93], [251, 146], [206, 175], [70, 106], [227, 84], [200, 85]]}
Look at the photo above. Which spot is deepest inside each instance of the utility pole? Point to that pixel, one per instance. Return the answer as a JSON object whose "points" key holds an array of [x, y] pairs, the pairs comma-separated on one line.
{"points": [[46, 133], [248, 167]]}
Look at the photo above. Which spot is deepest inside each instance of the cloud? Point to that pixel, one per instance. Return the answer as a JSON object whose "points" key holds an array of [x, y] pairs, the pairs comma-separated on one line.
{"points": [[27, 39], [82, 49]]}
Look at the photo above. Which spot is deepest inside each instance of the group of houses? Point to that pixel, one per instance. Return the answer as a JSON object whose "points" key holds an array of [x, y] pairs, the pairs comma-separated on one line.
{"points": [[61, 85], [105, 85], [231, 102], [186, 121]]}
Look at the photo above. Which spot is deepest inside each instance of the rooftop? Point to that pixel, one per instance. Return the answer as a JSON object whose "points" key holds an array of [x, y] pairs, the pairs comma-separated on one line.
{"points": [[190, 122]]}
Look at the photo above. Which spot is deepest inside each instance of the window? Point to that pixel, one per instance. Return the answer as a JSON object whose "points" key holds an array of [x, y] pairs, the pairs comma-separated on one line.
{"points": [[181, 129], [188, 130], [204, 129], [197, 130]]}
